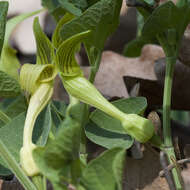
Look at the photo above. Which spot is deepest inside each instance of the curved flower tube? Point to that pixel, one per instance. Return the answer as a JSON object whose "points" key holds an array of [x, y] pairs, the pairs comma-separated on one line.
{"points": [[138, 127], [37, 80], [37, 102]]}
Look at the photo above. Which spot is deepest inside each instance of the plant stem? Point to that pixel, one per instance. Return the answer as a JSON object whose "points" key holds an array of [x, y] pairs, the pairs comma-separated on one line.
{"points": [[94, 70], [170, 63], [44, 183], [38, 180], [13, 165], [95, 67]]}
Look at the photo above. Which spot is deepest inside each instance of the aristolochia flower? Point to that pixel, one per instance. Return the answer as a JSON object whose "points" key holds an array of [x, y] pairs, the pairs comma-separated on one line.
{"points": [[79, 87], [37, 80]]}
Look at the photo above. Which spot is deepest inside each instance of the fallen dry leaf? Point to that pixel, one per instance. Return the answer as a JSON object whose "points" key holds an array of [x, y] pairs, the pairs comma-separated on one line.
{"points": [[109, 79]]}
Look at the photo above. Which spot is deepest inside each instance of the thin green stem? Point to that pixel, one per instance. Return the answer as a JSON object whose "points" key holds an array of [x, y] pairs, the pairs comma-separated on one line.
{"points": [[85, 115], [94, 70], [170, 63], [44, 183], [95, 67], [13, 165], [38, 180]]}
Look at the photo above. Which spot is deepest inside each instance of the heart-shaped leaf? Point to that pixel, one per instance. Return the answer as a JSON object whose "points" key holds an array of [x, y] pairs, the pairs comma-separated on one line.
{"points": [[105, 172], [107, 138], [102, 19], [164, 19], [108, 132]]}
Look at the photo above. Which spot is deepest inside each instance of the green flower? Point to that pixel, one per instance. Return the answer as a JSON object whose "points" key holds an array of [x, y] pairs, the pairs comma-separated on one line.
{"points": [[79, 87], [37, 80], [138, 127]]}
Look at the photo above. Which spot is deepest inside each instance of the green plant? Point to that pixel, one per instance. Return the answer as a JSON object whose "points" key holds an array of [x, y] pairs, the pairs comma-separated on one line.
{"points": [[54, 147], [166, 24]]}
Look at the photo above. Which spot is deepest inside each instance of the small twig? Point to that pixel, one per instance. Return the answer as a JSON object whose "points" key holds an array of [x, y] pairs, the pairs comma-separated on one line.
{"points": [[171, 166]]}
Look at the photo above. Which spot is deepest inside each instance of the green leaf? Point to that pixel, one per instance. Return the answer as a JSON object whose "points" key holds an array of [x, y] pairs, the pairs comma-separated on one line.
{"points": [[135, 105], [81, 4], [133, 48], [3, 18], [91, 2], [58, 110], [59, 7], [102, 19], [70, 7], [54, 8], [167, 16], [16, 107], [42, 127], [11, 135], [4, 171], [150, 2], [55, 159], [9, 62], [9, 87], [45, 50], [12, 107], [167, 20], [107, 138], [107, 131], [162, 18], [59, 107], [76, 110], [4, 118], [105, 172]]}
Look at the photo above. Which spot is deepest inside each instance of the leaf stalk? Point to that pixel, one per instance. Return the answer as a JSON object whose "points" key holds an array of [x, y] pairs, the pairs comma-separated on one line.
{"points": [[169, 149]]}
